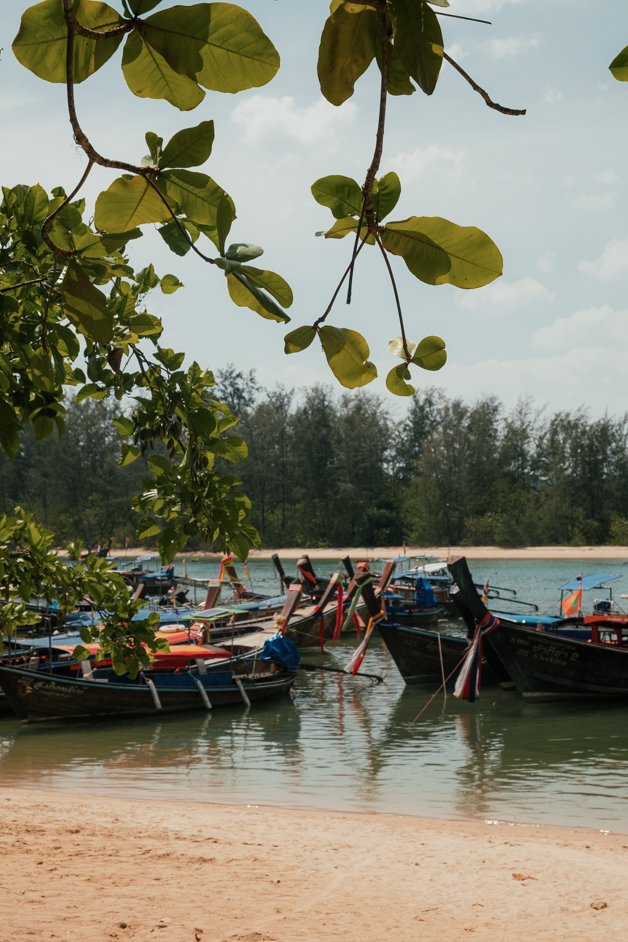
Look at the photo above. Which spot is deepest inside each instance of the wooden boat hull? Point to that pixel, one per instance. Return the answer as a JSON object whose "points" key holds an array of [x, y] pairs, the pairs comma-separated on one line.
{"points": [[548, 666], [423, 656], [36, 695]]}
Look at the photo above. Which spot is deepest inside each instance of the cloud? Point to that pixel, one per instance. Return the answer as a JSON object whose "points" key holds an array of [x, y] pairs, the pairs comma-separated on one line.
{"points": [[482, 7], [14, 101], [593, 201], [553, 96], [511, 47], [509, 295], [593, 377], [546, 262], [457, 51], [606, 176], [586, 328], [261, 118], [412, 165], [612, 263]]}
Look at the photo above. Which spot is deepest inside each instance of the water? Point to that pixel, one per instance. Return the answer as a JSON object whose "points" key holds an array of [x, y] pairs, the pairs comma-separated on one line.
{"points": [[351, 744]]}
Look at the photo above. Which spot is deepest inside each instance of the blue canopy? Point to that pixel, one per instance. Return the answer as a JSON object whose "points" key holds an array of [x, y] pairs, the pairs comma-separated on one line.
{"points": [[589, 582]]}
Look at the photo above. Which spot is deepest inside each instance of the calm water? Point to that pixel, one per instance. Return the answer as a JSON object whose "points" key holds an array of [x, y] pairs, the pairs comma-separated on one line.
{"points": [[350, 744]]}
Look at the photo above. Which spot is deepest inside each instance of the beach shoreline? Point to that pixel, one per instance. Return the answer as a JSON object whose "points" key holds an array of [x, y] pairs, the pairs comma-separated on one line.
{"points": [[392, 552], [85, 868]]}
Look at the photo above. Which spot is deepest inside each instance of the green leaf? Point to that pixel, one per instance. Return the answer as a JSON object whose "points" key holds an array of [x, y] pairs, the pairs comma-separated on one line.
{"points": [[418, 40], [148, 75], [124, 426], [155, 145], [224, 219], [347, 48], [386, 193], [619, 66], [40, 45], [299, 339], [197, 195], [190, 147], [269, 281], [175, 238], [42, 370], [85, 306], [396, 381], [169, 544], [129, 454], [399, 82], [347, 354], [138, 7], [130, 202], [91, 391], [430, 354], [439, 252], [148, 528], [203, 422], [245, 294], [159, 465], [170, 283], [80, 653], [340, 194], [169, 358], [219, 45]]}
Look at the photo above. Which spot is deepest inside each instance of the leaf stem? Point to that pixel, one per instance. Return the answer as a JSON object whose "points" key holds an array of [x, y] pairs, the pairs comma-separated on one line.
{"points": [[94, 157], [340, 284], [404, 341]]}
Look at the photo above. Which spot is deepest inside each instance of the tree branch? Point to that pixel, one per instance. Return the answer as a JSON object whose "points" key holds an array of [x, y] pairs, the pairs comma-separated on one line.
{"points": [[125, 27], [94, 157], [477, 88]]}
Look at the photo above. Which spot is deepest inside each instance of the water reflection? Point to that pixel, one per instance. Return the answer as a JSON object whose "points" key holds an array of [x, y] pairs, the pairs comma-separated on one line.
{"points": [[347, 744]]}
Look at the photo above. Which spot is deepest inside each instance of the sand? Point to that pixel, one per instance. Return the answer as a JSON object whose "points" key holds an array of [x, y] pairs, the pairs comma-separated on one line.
{"points": [[83, 868], [391, 552], [451, 552]]}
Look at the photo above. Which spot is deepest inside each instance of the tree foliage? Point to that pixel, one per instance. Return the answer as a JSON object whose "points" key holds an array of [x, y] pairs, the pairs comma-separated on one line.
{"points": [[75, 312]]}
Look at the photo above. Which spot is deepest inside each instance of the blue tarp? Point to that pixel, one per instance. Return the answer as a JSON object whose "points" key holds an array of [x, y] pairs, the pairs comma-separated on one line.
{"points": [[283, 651], [589, 582]]}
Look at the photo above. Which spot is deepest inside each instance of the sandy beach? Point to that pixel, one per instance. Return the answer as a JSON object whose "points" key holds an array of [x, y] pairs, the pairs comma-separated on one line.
{"points": [[451, 552], [88, 869]]}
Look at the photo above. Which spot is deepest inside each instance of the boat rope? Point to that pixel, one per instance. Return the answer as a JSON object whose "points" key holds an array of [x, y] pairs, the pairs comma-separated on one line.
{"points": [[436, 692], [378, 678]]}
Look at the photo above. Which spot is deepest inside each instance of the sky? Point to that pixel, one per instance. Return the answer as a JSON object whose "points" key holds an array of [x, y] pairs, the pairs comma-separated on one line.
{"points": [[550, 188]]}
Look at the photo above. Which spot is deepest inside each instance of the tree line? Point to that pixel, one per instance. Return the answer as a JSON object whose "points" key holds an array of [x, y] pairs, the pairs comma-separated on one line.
{"points": [[325, 469]]}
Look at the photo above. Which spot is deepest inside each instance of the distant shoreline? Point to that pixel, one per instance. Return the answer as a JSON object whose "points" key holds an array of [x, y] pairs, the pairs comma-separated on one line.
{"points": [[388, 552]]}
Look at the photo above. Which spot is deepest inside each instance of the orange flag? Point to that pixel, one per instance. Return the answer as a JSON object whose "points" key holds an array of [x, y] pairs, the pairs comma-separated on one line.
{"points": [[573, 603]]}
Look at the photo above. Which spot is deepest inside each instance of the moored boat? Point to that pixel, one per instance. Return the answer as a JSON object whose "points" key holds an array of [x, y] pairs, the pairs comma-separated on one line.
{"points": [[580, 657], [423, 656], [37, 695]]}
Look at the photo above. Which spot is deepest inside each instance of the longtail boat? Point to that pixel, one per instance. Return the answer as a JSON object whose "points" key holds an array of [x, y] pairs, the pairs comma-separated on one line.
{"points": [[37, 695]]}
